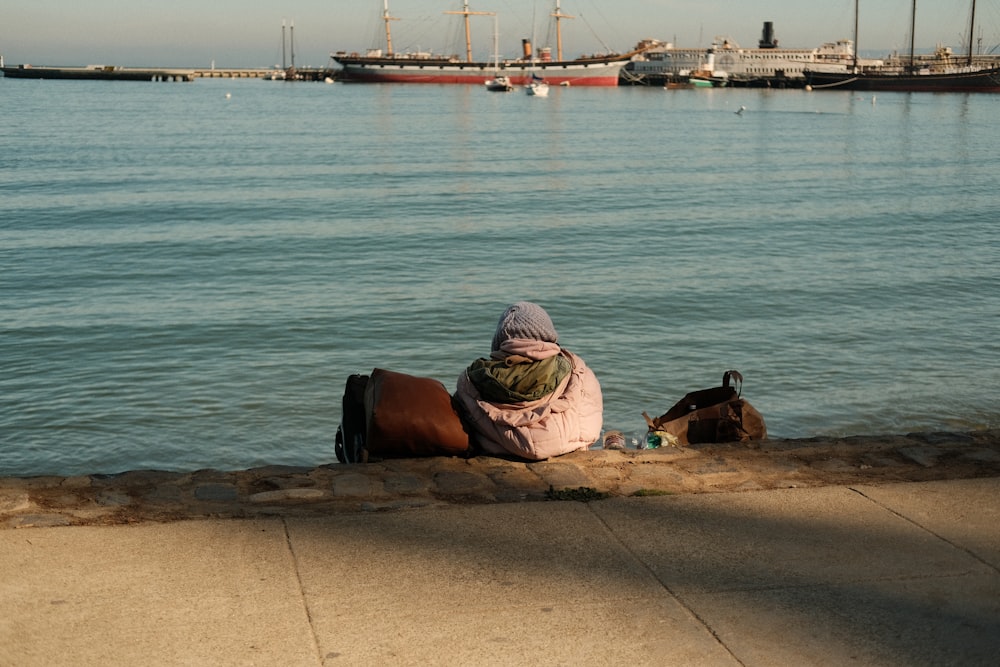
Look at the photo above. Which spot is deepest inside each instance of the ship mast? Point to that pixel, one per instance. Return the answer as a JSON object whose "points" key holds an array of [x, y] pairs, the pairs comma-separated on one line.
{"points": [[856, 36], [972, 30], [913, 29], [388, 32], [558, 15], [468, 32]]}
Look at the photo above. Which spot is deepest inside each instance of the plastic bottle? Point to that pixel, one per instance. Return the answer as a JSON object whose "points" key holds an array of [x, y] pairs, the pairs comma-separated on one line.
{"points": [[614, 440]]}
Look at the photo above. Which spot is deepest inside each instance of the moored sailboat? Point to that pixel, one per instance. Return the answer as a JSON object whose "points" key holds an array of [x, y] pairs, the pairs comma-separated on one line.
{"points": [[940, 73], [286, 73], [390, 67], [537, 87], [500, 83]]}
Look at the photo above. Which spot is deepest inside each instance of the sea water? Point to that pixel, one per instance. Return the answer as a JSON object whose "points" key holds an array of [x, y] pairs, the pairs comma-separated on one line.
{"points": [[190, 271]]}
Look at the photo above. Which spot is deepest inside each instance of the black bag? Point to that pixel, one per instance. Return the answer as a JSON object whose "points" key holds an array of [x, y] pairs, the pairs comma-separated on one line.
{"points": [[717, 414], [350, 444]]}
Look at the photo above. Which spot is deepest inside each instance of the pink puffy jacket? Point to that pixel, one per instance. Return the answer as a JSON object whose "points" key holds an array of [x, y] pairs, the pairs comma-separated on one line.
{"points": [[566, 420]]}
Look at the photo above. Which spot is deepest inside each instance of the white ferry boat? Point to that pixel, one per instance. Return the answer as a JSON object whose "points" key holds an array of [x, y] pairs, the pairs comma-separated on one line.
{"points": [[727, 63]]}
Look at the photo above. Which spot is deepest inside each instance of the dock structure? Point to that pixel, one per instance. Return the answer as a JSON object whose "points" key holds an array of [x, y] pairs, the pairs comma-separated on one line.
{"points": [[99, 72], [236, 73], [290, 74], [114, 73]]}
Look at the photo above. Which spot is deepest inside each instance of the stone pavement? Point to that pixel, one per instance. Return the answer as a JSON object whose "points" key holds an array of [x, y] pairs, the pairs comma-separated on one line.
{"points": [[904, 573], [139, 496]]}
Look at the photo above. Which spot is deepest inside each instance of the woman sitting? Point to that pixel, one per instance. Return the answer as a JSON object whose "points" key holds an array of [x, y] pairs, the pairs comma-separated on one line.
{"points": [[530, 398]]}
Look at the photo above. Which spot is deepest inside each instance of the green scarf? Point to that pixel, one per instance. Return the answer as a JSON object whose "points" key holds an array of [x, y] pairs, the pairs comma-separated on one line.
{"points": [[499, 383]]}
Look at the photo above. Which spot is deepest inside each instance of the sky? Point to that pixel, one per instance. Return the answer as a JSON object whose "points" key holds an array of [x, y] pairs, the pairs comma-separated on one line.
{"points": [[247, 33]]}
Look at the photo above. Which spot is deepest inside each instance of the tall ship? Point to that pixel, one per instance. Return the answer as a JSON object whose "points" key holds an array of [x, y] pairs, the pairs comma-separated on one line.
{"points": [[727, 63], [941, 72], [387, 66]]}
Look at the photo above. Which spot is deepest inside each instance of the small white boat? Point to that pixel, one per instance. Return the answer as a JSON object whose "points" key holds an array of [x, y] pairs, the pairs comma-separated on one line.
{"points": [[537, 87]]}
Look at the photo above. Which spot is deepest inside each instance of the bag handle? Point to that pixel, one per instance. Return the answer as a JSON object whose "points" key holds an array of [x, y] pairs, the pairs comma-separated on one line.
{"points": [[737, 377]]}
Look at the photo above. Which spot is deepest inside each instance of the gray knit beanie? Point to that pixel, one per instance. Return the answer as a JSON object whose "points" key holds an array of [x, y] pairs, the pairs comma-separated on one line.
{"points": [[524, 320]]}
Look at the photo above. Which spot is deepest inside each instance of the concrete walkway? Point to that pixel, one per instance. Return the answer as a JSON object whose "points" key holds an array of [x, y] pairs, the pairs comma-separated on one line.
{"points": [[885, 574]]}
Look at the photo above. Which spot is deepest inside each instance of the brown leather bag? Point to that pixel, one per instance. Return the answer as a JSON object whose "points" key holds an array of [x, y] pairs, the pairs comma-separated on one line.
{"points": [[409, 416], [717, 414]]}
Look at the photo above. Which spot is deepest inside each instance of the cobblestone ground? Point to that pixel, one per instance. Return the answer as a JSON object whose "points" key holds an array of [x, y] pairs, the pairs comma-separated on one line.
{"points": [[395, 485]]}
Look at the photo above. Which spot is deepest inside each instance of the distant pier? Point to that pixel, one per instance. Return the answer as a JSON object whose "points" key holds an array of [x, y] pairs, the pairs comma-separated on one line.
{"points": [[99, 73], [234, 73], [296, 74], [114, 73]]}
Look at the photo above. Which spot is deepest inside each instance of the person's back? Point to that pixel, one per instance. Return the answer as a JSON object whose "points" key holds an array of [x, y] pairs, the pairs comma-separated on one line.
{"points": [[530, 398]]}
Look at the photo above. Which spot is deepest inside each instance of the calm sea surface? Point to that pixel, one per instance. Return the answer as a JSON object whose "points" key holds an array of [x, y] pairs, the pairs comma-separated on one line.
{"points": [[187, 277]]}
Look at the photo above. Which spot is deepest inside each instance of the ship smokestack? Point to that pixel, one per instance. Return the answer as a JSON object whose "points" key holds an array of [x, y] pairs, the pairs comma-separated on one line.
{"points": [[767, 40], [526, 48]]}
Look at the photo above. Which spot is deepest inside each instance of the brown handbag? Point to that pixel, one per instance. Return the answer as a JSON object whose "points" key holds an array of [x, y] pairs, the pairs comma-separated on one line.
{"points": [[717, 414], [409, 416]]}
